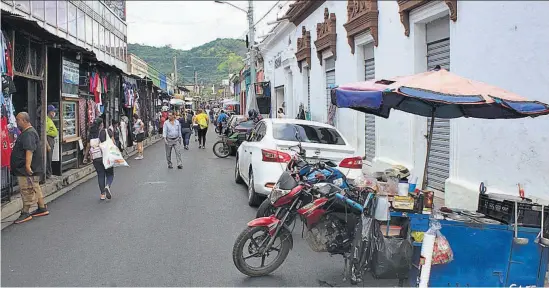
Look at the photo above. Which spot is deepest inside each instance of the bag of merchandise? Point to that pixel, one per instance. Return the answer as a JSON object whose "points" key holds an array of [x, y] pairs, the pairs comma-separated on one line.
{"points": [[111, 155], [442, 252], [392, 256], [95, 150]]}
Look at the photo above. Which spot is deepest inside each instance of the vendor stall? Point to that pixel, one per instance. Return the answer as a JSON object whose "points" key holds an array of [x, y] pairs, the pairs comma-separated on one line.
{"points": [[500, 245]]}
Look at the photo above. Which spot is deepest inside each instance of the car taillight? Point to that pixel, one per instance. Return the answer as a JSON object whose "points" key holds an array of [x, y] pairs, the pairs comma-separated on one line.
{"points": [[275, 156], [351, 163]]}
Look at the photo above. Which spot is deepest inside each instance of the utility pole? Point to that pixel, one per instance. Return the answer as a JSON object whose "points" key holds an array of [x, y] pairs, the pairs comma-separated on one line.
{"points": [[252, 42], [175, 69]]}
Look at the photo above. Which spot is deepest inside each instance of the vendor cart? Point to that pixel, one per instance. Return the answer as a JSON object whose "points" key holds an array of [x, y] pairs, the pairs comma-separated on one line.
{"points": [[484, 254]]}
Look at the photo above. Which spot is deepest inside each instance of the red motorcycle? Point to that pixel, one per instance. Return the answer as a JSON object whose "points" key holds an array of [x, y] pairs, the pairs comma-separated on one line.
{"points": [[326, 213]]}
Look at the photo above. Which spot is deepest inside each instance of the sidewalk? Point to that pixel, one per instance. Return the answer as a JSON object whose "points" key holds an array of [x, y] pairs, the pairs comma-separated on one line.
{"points": [[54, 188]]}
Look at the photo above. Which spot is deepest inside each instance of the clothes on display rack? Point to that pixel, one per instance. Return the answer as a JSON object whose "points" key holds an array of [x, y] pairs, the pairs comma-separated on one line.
{"points": [[98, 86], [5, 142], [6, 66], [82, 117], [91, 111]]}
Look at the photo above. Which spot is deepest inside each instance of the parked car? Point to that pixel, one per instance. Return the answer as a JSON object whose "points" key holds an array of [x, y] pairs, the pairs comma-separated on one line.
{"points": [[263, 157], [234, 120], [244, 126]]}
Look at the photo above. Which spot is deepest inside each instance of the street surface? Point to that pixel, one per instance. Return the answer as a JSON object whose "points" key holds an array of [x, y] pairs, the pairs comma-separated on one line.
{"points": [[162, 228]]}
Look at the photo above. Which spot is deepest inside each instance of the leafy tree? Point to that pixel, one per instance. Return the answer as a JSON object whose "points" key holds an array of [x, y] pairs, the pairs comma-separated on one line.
{"points": [[232, 64], [208, 60]]}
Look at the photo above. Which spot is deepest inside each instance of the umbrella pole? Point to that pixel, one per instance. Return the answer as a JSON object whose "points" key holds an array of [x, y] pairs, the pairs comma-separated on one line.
{"points": [[429, 140]]}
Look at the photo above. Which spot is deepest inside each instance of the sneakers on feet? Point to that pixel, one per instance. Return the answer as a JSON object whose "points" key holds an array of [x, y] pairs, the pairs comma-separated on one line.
{"points": [[108, 192], [102, 196], [24, 217], [170, 167], [40, 212], [180, 167]]}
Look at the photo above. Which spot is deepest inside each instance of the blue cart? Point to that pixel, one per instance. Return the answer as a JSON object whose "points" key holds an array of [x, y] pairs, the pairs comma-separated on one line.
{"points": [[484, 255]]}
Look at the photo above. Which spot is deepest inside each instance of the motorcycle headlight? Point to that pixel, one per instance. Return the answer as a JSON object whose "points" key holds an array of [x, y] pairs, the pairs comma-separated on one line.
{"points": [[277, 193]]}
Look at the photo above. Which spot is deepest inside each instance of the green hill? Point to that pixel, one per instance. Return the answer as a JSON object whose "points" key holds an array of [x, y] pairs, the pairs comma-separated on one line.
{"points": [[211, 60]]}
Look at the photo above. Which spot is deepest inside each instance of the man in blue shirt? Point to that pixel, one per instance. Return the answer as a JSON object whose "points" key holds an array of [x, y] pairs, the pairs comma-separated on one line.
{"points": [[222, 118]]}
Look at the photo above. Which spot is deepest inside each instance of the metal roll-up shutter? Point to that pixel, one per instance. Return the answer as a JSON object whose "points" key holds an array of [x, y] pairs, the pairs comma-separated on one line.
{"points": [[330, 81], [370, 127], [309, 90], [438, 53]]}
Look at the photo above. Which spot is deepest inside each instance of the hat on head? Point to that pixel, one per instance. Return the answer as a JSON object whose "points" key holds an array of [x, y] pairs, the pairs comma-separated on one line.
{"points": [[51, 108]]}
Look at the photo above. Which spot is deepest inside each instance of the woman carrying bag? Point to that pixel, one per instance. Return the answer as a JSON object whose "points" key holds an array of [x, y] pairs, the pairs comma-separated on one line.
{"points": [[105, 177]]}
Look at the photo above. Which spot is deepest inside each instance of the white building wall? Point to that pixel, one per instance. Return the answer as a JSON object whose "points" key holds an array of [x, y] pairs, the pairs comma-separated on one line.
{"points": [[501, 43]]}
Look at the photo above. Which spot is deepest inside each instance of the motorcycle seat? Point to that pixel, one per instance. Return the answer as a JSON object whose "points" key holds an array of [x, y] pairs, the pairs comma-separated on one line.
{"points": [[326, 189]]}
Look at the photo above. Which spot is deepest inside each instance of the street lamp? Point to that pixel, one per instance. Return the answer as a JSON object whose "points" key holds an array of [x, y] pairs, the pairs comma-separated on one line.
{"points": [[250, 14]]}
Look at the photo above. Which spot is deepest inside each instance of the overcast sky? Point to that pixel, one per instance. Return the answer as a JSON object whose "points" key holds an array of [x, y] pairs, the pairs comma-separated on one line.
{"points": [[187, 24]]}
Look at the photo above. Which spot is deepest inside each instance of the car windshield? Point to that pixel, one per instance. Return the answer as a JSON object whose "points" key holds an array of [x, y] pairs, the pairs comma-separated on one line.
{"points": [[247, 124], [308, 133]]}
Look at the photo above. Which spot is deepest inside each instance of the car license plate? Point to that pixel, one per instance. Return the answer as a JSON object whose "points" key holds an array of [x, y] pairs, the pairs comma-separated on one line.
{"points": [[313, 160]]}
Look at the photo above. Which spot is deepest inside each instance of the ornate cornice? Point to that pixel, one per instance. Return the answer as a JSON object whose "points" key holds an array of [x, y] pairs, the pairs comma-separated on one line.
{"points": [[303, 48], [405, 6], [362, 16], [301, 9], [326, 35]]}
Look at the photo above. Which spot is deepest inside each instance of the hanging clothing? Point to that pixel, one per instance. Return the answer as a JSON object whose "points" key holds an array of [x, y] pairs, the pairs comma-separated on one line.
{"points": [[5, 142], [82, 117]]}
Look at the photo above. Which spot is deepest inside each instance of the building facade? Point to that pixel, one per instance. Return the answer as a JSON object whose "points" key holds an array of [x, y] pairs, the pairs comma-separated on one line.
{"points": [[92, 25], [329, 43]]}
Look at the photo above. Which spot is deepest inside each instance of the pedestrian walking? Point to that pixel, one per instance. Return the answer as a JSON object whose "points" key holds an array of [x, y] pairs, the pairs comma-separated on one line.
{"points": [[26, 164], [51, 133], [114, 130], [202, 120], [186, 123], [105, 177], [172, 140], [139, 133], [195, 127]]}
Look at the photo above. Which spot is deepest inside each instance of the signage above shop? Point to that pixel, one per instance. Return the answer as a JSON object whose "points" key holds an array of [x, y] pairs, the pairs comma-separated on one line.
{"points": [[71, 78]]}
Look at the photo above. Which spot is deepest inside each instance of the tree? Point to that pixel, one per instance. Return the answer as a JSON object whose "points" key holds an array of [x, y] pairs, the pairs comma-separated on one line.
{"points": [[231, 64]]}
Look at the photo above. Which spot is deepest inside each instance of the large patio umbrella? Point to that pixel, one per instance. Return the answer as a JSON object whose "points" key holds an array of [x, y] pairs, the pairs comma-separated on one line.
{"points": [[436, 94]]}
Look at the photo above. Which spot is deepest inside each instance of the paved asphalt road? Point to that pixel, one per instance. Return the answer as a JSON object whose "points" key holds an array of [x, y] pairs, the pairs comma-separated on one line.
{"points": [[162, 228]]}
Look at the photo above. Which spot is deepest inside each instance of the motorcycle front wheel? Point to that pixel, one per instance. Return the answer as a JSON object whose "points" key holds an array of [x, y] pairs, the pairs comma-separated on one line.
{"points": [[266, 209], [253, 240], [221, 149]]}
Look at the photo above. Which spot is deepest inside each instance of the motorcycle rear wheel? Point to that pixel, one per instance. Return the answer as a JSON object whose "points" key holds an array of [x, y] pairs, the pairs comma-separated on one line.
{"points": [[222, 151], [240, 245]]}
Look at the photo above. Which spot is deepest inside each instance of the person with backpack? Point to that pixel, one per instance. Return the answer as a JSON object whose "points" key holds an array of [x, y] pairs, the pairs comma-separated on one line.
{"points": [[186, 123], [202, 120], [105, 177]]}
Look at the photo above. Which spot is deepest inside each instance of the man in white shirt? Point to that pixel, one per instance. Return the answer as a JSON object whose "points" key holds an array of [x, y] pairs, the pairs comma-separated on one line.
{"points": [[172, 138]]}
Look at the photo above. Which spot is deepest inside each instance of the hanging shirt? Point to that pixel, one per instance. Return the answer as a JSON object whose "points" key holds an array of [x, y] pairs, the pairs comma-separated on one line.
{"points": [[5, 142], [51, 130]]}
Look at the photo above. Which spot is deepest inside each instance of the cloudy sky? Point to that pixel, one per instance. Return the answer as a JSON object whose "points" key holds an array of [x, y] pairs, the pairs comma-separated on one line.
{"points": [[187, 24]]}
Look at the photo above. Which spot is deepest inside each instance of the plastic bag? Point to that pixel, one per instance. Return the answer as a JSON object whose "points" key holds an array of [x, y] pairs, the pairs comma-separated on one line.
{"points": [[442, 252], [111, 155], [392, 256]]}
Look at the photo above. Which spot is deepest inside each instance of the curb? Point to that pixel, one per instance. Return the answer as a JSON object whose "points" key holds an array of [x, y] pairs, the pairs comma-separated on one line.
{"points": [[53, 190]]}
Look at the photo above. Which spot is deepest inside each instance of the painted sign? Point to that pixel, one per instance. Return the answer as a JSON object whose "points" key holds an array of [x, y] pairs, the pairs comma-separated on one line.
{"points": [[71, 72]]}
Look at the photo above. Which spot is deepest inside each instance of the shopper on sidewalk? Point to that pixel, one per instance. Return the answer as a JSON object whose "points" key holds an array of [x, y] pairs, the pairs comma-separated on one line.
{"points": [[186, 123], [51, 133], [26, 164], [105, 177], [202, 120], [172, 139], [139, 133]]}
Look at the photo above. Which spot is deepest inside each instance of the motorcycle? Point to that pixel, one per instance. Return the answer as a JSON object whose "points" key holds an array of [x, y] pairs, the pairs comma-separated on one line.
{"points": [[323, 171], [222, 148], [329, 221]]}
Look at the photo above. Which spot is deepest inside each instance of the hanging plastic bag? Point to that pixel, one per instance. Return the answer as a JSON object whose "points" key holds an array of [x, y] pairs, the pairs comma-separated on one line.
{"points": [[442, 252], [111, 155], [392, 256]]}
